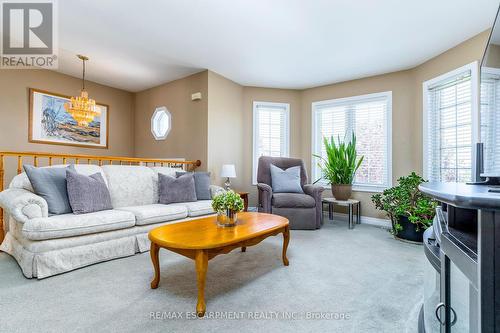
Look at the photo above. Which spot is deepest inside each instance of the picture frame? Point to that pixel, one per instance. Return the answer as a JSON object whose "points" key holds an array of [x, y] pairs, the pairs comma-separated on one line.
{"points": [[50, 123]]}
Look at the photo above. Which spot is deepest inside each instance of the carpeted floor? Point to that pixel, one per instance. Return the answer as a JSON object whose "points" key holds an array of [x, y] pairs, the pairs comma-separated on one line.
{"points": [[359, 280]]}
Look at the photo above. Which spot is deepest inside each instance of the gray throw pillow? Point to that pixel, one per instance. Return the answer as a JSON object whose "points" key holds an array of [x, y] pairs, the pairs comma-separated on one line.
{"points": [[87, 194], [286, 181], [201, 184], [173, 190], [50, 184]]}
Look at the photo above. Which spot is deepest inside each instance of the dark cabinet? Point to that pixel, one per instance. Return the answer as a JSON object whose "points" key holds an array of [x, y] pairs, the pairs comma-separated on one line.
{"points": [[466, 239]]}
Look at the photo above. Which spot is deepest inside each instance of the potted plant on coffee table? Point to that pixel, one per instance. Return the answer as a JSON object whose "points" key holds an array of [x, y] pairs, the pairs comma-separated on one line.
{"points": [[340, 165], [410, 211], [227, 205]]}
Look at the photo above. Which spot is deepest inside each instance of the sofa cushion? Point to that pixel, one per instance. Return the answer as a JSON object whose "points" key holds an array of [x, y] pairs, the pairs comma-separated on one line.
{"points": [[198, 208], [50, 184], [169, 171], [68, 225], [45, 245], [130, 185], [157, 213], [293, 200], [173, 190], [21, 180], [201, 184], [87, 194]]}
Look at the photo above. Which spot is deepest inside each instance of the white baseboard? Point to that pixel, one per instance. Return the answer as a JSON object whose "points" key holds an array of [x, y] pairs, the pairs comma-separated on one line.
{"points": [[382, 223]]}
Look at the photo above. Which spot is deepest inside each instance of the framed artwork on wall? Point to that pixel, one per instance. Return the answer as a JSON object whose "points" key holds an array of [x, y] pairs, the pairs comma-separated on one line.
{"points": [[50, 123]]}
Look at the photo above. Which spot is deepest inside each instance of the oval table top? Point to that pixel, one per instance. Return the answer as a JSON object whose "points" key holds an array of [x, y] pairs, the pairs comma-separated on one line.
{"points": [[204, 233]]}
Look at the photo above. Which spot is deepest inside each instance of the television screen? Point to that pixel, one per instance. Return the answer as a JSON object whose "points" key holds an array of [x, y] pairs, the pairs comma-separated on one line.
{"points": [[490, 104]]}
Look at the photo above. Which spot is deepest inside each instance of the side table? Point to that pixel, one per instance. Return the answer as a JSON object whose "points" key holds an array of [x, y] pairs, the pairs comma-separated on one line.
{"points": [[351, 205], [244, 196]]}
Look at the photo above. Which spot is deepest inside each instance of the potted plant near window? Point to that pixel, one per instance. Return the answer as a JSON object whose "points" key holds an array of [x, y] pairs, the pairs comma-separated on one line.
{"points": [[227, 205], [340, 165], [410, 211]]}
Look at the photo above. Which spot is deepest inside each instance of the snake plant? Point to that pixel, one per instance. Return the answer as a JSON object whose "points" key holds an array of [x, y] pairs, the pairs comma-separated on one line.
{"points": [[341, 162]]}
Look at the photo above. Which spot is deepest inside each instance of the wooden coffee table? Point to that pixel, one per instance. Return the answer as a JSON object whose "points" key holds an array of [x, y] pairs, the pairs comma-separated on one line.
{"points": [[202, 239]]}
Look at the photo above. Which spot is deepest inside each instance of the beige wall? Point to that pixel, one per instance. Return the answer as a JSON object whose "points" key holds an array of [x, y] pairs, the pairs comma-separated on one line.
{"points": [[225, 128], [218, 129], [493, 56], [14, 108], [251, 94], [188, 136]]}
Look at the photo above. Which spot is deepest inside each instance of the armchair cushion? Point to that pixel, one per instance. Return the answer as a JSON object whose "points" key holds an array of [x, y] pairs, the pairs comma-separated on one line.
{"points": [[293, 200], [23, 205], [286, 181]]}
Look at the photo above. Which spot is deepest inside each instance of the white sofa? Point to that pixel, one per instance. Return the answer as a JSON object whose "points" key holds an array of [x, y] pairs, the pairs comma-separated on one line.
{"points": [[46, 245]]}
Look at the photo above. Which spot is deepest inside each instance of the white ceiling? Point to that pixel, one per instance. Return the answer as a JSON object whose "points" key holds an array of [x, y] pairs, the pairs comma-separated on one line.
{"points": [[135, 45]]}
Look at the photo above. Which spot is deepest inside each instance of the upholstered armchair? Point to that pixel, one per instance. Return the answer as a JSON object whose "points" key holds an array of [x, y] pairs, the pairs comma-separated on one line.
{"points": [[303, 210]]}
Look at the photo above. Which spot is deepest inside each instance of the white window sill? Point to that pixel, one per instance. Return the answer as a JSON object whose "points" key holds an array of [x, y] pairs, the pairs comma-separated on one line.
{"points": [[360, 188], [357, 188]]}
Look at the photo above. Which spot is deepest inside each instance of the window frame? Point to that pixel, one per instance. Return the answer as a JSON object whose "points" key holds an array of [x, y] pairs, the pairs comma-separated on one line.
{"points": [[348, 101], [158, 110], [286, 107], [473, 67]]}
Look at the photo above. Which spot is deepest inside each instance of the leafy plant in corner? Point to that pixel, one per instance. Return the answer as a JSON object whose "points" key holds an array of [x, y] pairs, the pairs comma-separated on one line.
{"points": [[341, 162], [229, 200], [406, 200]]}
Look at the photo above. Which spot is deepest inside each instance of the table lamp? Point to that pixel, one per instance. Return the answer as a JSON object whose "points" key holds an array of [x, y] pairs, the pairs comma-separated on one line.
{"points": [[228, 171]]}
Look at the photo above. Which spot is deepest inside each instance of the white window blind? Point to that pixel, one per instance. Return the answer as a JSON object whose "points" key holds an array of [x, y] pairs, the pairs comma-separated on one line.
{"points": [[490, 119], [369, 118], [448, 151], [270, 131]]}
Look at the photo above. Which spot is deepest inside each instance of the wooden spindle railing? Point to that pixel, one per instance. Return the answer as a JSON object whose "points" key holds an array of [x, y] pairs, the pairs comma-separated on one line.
{"points": [[101, 160]]}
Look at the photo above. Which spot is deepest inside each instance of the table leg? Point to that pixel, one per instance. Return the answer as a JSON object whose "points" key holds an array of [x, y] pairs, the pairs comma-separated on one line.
{"points": [[155, 249], [359, 213], [286, 240], [330, 211], [351, 225], [243, 249], [245, 200], [201, 259]]}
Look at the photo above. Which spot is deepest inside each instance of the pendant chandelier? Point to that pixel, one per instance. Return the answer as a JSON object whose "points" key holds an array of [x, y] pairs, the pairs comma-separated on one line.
{"points": [[82, 108]]}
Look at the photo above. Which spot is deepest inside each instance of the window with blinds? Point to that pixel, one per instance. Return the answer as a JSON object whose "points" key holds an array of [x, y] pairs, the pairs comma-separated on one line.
{"points": [[369, 117], [490, 119], [449, 127], [270, 131]]}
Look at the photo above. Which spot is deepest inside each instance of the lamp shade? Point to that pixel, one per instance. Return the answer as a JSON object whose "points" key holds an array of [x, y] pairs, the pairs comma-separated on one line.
{"points": [[228, 171]]}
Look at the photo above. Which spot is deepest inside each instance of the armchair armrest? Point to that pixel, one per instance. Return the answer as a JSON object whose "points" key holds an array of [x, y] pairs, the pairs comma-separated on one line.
{"points": [[23, 205], [316, 191], [265, 196]]}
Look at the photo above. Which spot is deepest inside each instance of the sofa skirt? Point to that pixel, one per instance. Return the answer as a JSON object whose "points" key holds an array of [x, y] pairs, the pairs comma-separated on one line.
{"points": [[45, 264], [41, 259]]}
